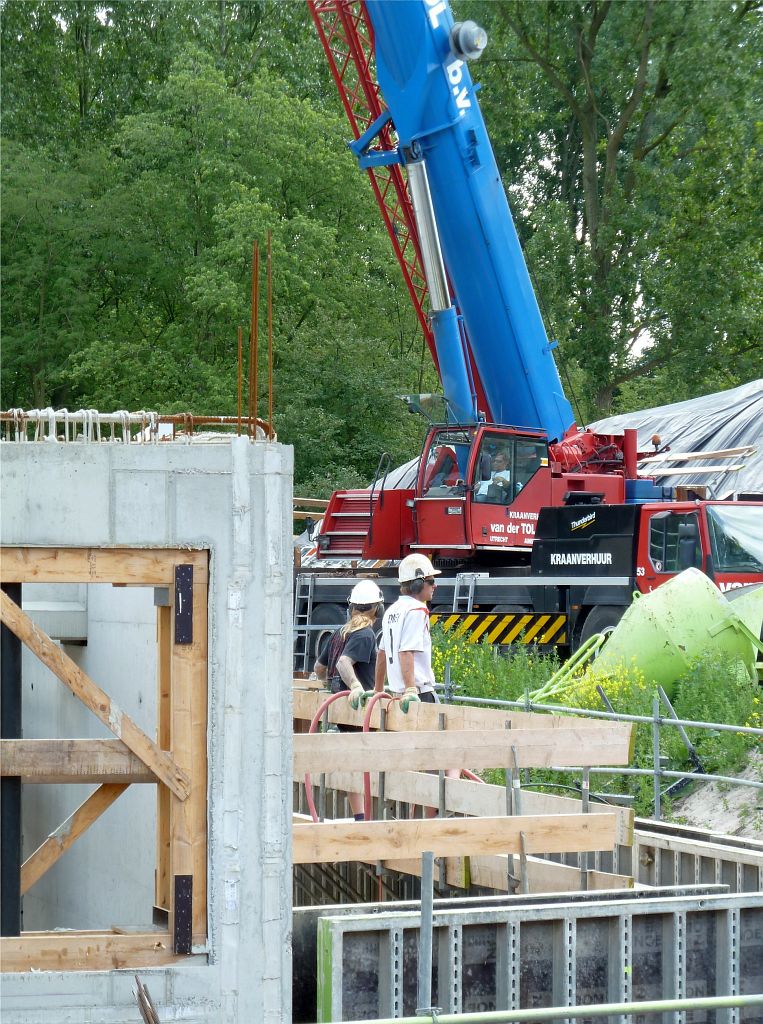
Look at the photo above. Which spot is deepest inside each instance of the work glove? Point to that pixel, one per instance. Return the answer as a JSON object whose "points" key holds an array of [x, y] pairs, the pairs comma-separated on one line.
{"points": [[358, 697], [410, 696]]}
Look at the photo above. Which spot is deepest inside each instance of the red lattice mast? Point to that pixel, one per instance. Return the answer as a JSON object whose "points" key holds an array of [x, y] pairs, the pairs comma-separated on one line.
{"points": [[347, 37]]}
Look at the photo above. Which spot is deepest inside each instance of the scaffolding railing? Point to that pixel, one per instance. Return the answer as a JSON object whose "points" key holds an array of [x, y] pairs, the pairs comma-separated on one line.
{"points": [[657, 720]]}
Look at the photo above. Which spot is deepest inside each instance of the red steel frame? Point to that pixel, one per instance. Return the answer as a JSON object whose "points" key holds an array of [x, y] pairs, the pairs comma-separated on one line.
{"points": [[347, 38]]}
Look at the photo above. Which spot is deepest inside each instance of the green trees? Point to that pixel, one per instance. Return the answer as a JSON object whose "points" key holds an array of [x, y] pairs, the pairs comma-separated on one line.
{"points": [[148, 142], [627, 132], [127, 242]]}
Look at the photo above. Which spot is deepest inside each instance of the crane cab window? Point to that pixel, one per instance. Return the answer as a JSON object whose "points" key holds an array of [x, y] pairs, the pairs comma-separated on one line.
{"points": [[445, 465], [504, 467], [674, 543]]}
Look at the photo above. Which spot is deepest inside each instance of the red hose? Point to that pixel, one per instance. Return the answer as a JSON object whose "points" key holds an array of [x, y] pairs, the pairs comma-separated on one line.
{"points": [[366, 776], [313, 726], [366, 726]]}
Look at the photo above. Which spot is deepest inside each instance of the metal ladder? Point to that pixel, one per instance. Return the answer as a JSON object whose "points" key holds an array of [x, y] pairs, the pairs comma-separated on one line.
{"points": [[303, 614], [463, 591]]}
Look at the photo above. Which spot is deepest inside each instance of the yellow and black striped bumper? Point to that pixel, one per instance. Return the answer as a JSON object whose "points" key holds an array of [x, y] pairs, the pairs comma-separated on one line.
{"points": [[503, 629]]}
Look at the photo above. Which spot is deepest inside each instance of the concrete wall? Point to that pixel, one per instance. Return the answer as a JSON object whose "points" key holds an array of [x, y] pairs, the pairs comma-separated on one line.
{"points": [[79, 891], [233, 498]]}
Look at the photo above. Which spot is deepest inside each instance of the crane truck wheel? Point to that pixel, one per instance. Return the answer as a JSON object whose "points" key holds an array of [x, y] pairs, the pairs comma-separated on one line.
{"points": [[601, 620], [325, 619]]}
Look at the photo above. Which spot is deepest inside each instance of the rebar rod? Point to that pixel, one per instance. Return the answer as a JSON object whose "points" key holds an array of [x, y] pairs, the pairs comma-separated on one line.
{"points": [[270, 332]]}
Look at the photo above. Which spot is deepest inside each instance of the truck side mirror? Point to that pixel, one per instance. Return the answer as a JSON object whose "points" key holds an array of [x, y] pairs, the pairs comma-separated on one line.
{"points": [[485, 467]]}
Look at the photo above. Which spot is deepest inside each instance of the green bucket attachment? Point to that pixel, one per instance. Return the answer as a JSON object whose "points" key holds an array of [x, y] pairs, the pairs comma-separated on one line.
{"points": [[665, 631]]}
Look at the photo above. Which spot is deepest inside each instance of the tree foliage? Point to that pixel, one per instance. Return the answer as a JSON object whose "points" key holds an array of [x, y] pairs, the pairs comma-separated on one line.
{"points": [[637, 186], [169, 143], [147, 143]]}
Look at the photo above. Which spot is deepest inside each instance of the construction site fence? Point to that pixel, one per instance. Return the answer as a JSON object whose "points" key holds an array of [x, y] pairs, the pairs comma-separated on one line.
{"points": [[657, 721]]}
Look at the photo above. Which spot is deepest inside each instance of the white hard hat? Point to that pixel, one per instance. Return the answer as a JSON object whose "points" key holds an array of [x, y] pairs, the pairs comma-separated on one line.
{"points": [[364, 593], [415, 567]]}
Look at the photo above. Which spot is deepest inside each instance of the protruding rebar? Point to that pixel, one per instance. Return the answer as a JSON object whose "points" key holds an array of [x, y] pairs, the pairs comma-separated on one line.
{"points": [[253, 340], [240, 375], [270, 332]]}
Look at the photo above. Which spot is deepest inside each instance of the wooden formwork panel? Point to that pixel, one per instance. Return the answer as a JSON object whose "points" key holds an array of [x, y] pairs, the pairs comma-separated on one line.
{"points": [[175, 760]]}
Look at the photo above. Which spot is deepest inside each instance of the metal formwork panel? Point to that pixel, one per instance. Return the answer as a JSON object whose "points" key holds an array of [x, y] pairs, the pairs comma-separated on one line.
{"points": [[667, 854], [544, 955]]}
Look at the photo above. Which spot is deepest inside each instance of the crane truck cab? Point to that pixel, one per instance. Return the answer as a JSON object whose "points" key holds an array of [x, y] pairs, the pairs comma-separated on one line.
{"points": [[478, 492]]}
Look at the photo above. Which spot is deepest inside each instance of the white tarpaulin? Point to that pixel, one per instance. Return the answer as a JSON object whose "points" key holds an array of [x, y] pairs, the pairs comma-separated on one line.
{"points": [[727, 419]]}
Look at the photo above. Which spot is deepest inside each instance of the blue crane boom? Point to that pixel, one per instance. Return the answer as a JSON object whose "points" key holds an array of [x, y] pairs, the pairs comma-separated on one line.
{"points": [[422, 71]]}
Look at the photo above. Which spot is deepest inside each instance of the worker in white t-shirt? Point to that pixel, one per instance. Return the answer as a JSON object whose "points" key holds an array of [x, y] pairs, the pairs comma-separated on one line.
{"points": [[405, 646]]}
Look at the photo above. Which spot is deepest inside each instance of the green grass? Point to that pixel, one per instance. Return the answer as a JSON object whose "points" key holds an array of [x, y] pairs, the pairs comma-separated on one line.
{"points": [[715, 689]]}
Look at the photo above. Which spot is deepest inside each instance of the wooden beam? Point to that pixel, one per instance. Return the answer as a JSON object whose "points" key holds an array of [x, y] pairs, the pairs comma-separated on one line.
{"points": [[451, 837], [58, 761], [420, 751], [696, 848], [307, 699], [694, 470], [93, 697], [456, 869], [722, 453], [492, 871], [542, 875], [58, 842], [477, 799], [320, 503], [86, 951], [139, 567]]}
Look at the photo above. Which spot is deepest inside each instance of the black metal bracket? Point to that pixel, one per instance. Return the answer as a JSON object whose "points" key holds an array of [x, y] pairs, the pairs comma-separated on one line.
{"points": [[184, 604], [183, 916]]}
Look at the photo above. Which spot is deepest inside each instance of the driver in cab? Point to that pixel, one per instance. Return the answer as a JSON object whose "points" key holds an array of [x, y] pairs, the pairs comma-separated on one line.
{"points": [[498, 488]]}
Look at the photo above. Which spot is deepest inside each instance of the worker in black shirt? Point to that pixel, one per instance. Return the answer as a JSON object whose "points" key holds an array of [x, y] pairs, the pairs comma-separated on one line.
{"points": [[348, 660]]}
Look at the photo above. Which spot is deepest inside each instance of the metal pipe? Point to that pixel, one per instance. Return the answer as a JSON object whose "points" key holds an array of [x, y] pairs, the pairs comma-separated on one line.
{"points": [[424, 999], [630, 453], [585, 713], [664, 772], [10, 788], [429, 239], [695, 760], [572, 1012], [656, 756]]}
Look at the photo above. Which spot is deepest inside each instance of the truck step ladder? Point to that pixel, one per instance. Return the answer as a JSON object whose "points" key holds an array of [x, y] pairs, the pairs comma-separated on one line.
{"points": [[463, 591], [303, 613]]}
